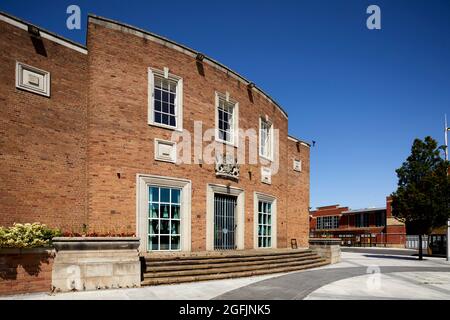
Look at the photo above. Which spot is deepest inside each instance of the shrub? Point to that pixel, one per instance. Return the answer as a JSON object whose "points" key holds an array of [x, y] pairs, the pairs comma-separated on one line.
{"points": [[28, 235]]}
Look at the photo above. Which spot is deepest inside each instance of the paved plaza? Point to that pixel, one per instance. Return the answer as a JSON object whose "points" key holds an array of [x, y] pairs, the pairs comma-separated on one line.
{"points": [[362, 274]]}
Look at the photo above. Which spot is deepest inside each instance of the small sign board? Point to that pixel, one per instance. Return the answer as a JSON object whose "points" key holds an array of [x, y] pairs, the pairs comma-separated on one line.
{"points": [[294, 243]]}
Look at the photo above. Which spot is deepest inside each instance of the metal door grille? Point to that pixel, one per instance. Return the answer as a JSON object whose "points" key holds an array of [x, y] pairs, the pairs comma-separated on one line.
{"points": [[224, 222]]}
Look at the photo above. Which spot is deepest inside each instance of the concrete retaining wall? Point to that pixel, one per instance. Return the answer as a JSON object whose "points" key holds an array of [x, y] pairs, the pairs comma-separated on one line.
{"points": [[327, 248], [96, 263]]}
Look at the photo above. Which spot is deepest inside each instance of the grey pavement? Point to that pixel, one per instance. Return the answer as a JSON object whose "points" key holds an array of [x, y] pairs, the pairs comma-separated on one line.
{"points": [[365, 274]]}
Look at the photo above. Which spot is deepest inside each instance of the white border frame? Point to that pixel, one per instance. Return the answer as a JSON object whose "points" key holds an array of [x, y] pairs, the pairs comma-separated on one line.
{"points": [[257, 196], [269, 171], [212, 189], [142, 183], [235, 128], [21, 85], [178, 99], [168, 142], [300, 165]]}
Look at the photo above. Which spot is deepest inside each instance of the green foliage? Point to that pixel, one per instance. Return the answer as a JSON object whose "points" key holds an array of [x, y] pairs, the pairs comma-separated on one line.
{"points": [[422, 198], [27, 235]]}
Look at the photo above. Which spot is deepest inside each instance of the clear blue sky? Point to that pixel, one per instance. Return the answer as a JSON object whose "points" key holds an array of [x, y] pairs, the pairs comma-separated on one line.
{"points": [[362, 95]]}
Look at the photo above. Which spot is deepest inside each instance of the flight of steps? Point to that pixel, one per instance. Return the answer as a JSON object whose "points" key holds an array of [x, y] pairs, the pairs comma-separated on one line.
{"points": [[222, 265]]}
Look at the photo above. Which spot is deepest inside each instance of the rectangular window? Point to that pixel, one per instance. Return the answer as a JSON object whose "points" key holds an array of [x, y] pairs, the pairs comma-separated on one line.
{"points": [[265, 139], [165, 105], [358, 221], [328, 222], [164, 219], [380, 219], [226, 119], [361, 220], [264, 224]]}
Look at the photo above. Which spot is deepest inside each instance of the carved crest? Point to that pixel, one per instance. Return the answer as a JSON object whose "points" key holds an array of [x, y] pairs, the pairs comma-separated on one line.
{"points": [[227, 166]]}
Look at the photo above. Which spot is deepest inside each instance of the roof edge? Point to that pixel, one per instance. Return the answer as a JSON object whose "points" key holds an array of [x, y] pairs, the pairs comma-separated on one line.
{"points": [[364, 210], [307, 144], [46, 34], [192, 51]]}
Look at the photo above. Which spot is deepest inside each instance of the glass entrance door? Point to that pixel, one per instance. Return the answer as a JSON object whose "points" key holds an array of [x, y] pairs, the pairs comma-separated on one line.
{"points": [[224, 222]]}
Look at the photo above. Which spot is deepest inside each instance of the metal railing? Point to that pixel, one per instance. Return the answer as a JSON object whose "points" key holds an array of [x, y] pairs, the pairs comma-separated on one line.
{"points": [[224, 222], [412, 242]]}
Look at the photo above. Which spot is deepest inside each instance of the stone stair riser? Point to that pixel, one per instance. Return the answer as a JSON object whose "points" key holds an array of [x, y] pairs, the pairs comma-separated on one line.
{"points": [[173, 280], [236, 268], [207, 260]]}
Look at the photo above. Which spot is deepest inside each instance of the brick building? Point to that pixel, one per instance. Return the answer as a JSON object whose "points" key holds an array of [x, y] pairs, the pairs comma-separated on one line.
{"points": [[92, 139], [363, 227]]}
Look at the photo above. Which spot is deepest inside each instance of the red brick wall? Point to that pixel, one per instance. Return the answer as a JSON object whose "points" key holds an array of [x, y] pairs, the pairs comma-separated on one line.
{"points": [[120, 140], [60, 156], [42, 140], [298, 194], [25, 271]]}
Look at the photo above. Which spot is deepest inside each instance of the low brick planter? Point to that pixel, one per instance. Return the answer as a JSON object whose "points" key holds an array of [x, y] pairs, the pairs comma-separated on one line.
{"points": [[91, 263], [25, 270], [328, 248]]}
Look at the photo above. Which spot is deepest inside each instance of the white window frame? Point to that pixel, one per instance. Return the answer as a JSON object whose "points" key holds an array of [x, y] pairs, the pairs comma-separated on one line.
{"points": [[234, 130], [143, 182], [211, 190], [257, 196], [299, 165], [327, 222], [152, 72], [269, 155], [20, 84]]}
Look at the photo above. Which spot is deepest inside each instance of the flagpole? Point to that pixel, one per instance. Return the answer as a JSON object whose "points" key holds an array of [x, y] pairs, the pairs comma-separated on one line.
{"points": [[446, 130]]}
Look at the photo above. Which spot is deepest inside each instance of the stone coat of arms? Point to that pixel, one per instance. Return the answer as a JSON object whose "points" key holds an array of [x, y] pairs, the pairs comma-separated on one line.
{"points": [[227, 166]]}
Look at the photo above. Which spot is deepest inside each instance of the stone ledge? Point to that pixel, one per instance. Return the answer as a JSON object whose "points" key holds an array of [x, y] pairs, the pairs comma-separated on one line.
{"points": [[95, 243]]}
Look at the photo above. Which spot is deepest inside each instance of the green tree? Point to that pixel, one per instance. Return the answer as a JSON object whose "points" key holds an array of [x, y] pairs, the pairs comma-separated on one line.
{"points": [[422, 199]]}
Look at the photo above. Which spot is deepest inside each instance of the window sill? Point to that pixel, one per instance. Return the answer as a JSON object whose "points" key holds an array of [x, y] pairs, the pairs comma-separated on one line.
{"points": [[159, 125], [266, 158], [225, 142]]}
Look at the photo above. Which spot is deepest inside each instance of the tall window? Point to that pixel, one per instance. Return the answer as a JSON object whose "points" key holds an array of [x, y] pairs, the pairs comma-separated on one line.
{"points": [[165, 105], [264, 224], [380, 219], [164, 218], [265, 139], [226, 118], [361, 220]]}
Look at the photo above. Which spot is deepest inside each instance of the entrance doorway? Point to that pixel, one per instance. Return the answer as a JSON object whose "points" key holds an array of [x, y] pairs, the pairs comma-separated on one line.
{"points": [[224, 222]]}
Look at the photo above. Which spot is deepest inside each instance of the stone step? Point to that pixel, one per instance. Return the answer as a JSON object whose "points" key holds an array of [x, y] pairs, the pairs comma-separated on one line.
{"points": [[223, 259], [267, 260], [158, 257], [232, 269], [181, 279]]}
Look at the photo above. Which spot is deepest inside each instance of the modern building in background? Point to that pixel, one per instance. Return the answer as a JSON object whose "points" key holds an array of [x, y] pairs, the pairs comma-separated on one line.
{"points": [[86, 143], [362, 227]]}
